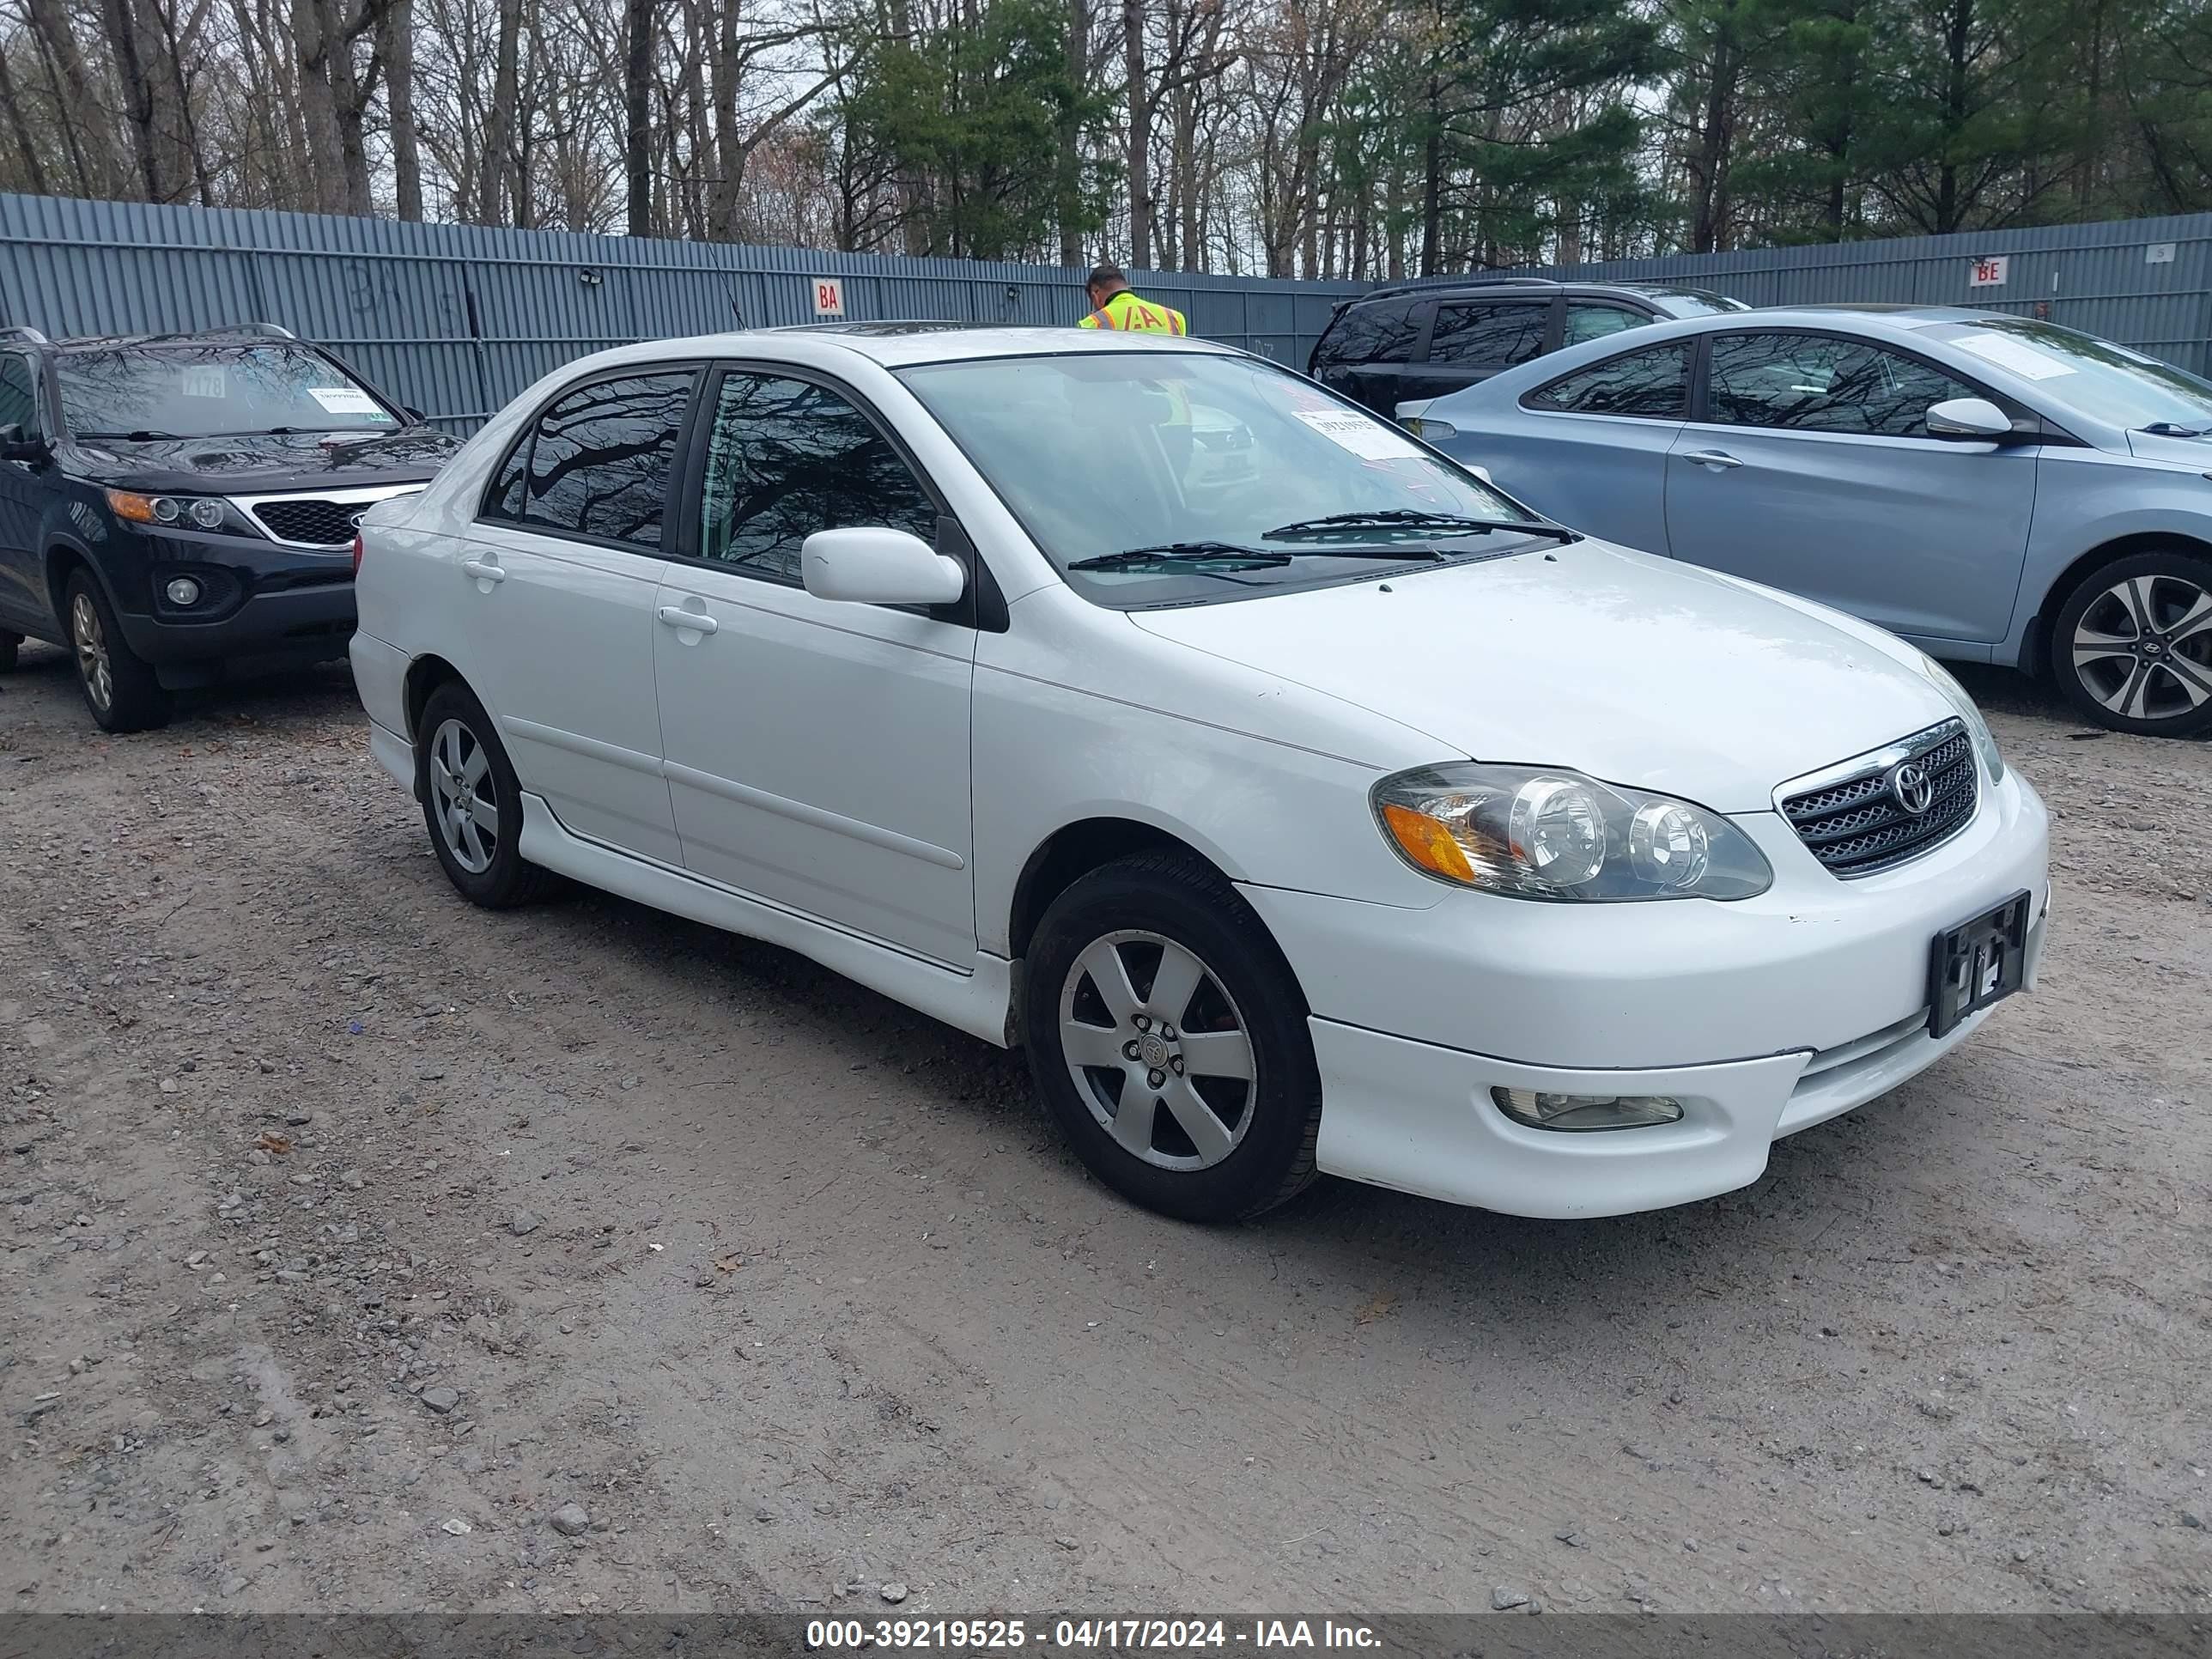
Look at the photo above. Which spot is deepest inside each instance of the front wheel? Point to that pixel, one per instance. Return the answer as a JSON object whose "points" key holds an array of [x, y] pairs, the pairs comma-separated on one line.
{"points": [[1168, 1036], [120, 686], [473, 802], [2132, 647]]}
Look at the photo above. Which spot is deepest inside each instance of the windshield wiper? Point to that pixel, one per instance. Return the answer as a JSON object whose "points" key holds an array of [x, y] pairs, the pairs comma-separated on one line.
{"points": [[1400, 518], [141, 436], [1181, 553], [2172, 429]]}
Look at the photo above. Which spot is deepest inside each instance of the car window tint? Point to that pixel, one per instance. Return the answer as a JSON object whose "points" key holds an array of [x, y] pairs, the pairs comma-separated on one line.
{"points": [[1490, 334], [19, 401], [1816, 383], [1654, 383], [786, 459], [1593, 321], [1384, 333], [600, 458]]}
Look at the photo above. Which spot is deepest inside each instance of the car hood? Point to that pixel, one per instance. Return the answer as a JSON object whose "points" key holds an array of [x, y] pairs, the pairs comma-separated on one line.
{"points": [[2161, 446], [256, 464], [1629, 668]]}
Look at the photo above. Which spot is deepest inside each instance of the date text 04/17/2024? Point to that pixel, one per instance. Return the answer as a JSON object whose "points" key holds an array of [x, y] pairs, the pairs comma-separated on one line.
{"points": [[1112, 1634]]}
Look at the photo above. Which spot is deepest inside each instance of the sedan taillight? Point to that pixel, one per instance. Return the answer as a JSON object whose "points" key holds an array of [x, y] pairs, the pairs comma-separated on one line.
{"points": [[356, 553]]}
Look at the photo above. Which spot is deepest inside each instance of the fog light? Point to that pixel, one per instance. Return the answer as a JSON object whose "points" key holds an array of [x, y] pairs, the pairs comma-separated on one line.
{"points": [[184, 592], [1541, 1110]]}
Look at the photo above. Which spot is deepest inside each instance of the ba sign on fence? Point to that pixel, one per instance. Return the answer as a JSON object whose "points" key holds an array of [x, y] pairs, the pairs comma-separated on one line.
{"points": [[1988, 272], [829, 297]]}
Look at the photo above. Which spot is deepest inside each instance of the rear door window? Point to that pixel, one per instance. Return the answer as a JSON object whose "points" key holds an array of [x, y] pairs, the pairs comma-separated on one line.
{"points": [[1593, 319], [1489, 335], [1385, 331], [597, 463], [1653, 384]]}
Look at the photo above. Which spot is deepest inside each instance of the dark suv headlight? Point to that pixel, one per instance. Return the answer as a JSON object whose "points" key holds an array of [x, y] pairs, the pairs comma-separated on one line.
{"points": [[209, 513]]}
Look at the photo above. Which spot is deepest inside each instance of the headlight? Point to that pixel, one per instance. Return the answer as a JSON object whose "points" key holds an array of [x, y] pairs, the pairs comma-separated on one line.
{"points": [[1977, 728], [204, 511], [1541, 833]]}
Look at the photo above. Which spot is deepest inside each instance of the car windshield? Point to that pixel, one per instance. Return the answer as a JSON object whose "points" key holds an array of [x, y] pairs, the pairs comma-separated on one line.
{"points": [[207, 391], [1157, 478], [1691, 301], [2106, 382]]}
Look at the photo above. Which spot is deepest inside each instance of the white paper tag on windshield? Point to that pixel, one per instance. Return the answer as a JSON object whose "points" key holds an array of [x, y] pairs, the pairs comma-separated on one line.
{"points": [[345, 400], [2021, 358], [201, 380], [1368, 439]]}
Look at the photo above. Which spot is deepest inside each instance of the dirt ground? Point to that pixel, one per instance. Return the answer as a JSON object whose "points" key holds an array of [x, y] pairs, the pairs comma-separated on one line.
{"points": [[351, 1233]]}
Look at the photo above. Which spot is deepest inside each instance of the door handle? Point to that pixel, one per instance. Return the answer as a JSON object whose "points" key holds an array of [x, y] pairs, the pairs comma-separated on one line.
{"points": [[483, 570], [698, 622], [1719, 459]]}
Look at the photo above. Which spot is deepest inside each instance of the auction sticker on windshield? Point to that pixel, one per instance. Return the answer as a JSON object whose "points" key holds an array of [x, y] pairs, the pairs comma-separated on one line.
{"points": [[2017, 355], [1368, 439], [345, 400], [201, 380]]}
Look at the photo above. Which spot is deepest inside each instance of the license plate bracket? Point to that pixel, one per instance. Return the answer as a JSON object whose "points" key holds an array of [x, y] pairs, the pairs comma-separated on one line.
{"points": [[1976, 964]]}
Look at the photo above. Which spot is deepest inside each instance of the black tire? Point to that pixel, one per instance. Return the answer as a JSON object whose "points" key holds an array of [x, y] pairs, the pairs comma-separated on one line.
{"points": [[506, 879], [2140, 598], [118, 684], [1272, 1120], [10, 644]]}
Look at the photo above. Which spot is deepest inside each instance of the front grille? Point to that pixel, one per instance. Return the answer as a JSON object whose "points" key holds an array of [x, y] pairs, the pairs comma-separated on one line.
{"points": [[310, 520], [1855, 824]]}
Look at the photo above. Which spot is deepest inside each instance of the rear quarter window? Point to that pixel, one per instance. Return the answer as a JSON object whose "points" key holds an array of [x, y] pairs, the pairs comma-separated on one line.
{"points": [[1385, 331], [1653, 384]]}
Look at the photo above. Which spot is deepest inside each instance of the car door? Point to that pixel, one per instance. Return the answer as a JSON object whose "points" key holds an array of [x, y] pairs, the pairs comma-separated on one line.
{"points": [[1471, 340], [1589, 447], [1366, 351], [1810, 468], [23, 492], [817, 751], [560, 575]]}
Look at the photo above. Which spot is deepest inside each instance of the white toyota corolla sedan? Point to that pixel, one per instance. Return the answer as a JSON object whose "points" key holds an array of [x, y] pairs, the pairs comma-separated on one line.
{"points": [[1299, 801]]}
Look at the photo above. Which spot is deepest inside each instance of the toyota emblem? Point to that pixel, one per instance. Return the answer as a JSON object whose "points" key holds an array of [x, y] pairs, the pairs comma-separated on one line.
{"points": [[1909, 784]]}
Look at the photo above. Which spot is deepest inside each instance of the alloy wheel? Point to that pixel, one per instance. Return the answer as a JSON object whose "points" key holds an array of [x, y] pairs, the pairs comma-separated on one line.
{"points": [[91, 640], [2143, 648], [467, 811], [1158, 1049]]}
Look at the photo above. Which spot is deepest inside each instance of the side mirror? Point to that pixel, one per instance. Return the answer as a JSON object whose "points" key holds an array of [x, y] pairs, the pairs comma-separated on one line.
{"points": [[877, 565], [14, 446], [1972, 418], [413, 413]]}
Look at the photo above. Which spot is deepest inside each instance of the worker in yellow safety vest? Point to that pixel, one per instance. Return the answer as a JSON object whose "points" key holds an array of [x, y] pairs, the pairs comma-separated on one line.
{"points": [[1112, 305]]}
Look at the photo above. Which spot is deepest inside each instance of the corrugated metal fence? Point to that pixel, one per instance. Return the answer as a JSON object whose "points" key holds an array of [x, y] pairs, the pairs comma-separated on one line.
{"points": [[2147, 283], [455, 319]]}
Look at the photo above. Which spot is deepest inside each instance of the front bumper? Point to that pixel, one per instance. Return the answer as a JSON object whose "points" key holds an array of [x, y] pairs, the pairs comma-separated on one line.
{"points": [[265, 630], [1763, 1018]]}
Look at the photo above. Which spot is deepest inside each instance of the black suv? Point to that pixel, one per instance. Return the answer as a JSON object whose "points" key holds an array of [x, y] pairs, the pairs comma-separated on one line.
{"points": [[1398, 345], [175, 508]]}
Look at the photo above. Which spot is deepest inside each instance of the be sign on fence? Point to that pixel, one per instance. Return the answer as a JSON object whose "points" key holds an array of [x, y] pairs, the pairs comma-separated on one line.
{"points": [[829, 297], [1988, 272]]}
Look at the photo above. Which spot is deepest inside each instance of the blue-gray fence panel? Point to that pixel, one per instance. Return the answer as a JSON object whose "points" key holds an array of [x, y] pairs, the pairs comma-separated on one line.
{"points": [[455, 319], [2146, 282]]}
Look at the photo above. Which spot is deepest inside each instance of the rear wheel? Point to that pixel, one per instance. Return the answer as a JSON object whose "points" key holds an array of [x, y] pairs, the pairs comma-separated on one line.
{"points": [[2132, 647], [1168, 1036], [472, 803], [118, 684]]}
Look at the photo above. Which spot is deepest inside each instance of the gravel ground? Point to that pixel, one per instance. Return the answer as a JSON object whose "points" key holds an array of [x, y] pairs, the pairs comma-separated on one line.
{"points": [[368, 1251]]}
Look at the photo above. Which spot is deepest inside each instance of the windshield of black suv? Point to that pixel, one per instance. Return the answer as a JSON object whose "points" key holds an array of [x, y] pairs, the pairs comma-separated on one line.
{"points": [[1154, 477], [189, 390], [2106, 382]]}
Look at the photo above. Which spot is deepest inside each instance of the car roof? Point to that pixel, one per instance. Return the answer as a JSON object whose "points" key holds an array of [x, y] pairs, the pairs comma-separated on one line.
{"points": [[1480, 282], [896, 344]]}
